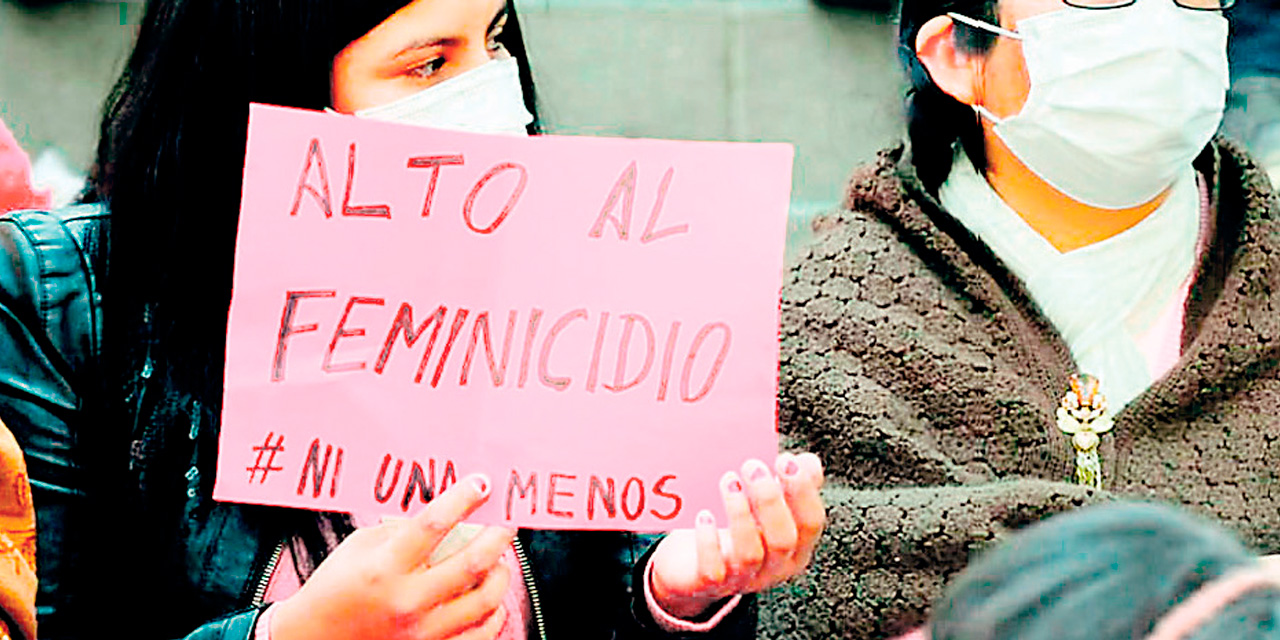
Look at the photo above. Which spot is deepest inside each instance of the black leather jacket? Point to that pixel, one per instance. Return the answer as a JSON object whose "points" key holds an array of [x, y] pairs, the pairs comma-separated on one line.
{"points": [[50, 328]]}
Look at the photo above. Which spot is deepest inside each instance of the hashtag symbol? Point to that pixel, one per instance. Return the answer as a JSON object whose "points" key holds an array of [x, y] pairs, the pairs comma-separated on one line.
{"points": [[270, 451]]}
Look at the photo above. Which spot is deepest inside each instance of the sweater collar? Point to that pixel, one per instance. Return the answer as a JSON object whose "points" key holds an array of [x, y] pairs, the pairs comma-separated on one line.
{"points": [[1232, 331]]}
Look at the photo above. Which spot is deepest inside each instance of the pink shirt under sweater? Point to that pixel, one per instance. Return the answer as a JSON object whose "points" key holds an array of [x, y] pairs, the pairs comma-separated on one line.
{"points": [[1162, 344]]}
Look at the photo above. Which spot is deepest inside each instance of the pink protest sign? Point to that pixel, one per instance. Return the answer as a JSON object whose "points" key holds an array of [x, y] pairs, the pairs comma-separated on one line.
{"points": [[591, 322]]}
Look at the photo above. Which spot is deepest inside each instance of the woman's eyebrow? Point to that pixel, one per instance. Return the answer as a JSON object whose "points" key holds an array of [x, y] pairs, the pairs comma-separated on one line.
{"points": [[428, 43]]}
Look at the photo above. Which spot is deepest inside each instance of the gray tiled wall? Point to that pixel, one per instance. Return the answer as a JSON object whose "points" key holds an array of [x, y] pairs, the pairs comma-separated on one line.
{"points": [[775, 70]]}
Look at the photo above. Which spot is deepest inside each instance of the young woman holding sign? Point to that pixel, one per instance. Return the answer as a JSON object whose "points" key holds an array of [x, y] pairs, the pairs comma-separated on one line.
{"points": [[1063, 290], [113, 326]]}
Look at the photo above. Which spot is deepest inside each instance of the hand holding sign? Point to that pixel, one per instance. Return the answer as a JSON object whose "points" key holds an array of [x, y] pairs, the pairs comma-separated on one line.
{"points": [[378, 583], [593, 323], [774, 526]]}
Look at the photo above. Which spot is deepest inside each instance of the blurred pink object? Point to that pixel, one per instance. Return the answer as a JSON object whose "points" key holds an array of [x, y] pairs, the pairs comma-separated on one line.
{"points": [[15, 177], [918, 634]]}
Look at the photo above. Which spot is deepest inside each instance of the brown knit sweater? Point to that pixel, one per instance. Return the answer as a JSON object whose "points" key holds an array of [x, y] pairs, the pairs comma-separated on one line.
{"points": [[915, 364]]}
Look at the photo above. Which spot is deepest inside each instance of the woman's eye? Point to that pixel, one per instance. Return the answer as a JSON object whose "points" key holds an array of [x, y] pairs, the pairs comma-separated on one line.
{"points": [[428, 68]]}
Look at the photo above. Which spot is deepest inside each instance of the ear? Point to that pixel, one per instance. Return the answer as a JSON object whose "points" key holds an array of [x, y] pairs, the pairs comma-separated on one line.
{"points": [[957, 73]]}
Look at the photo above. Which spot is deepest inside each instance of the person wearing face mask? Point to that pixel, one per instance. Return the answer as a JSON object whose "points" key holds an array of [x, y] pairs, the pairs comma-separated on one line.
{"points": [[112, 336], [1061, 289]]}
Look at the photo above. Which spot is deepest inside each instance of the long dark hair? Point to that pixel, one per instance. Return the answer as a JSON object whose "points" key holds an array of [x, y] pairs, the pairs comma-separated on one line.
{"points": [[1102, 573], [935, 120], [169, 167]]}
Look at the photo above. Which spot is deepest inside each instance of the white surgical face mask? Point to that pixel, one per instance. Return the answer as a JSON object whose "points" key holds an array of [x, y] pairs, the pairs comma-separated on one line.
{"points": [[487, 99], [1121, 99]]}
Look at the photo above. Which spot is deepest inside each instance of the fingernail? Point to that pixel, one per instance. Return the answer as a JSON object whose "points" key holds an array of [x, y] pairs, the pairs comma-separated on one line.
{"points": [[786, 465], [758, 472], [734, 485], [482, 485], [791, 468], [705, 519]]}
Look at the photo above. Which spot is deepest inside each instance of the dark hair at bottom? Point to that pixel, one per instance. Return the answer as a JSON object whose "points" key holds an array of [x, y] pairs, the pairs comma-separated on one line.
{"points": [[1103, 573]]}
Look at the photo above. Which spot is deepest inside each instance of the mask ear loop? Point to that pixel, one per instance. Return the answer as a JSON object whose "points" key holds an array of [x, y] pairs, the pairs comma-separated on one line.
{"points": [[978, 107], [982, 111], [985, 26]]}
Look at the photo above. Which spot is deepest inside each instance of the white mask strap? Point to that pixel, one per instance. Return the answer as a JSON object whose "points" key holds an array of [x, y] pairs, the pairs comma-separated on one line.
{"points": [[984, 113], [978, 24]]}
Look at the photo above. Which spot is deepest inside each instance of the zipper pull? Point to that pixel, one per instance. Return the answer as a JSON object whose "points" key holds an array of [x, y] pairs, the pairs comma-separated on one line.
{"points": [[1083, 415]]}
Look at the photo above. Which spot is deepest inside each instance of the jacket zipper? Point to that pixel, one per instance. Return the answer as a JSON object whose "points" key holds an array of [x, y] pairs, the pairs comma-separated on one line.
{"points": [[137, 445], [1137, 412], [532, 587], [260, 593]]}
